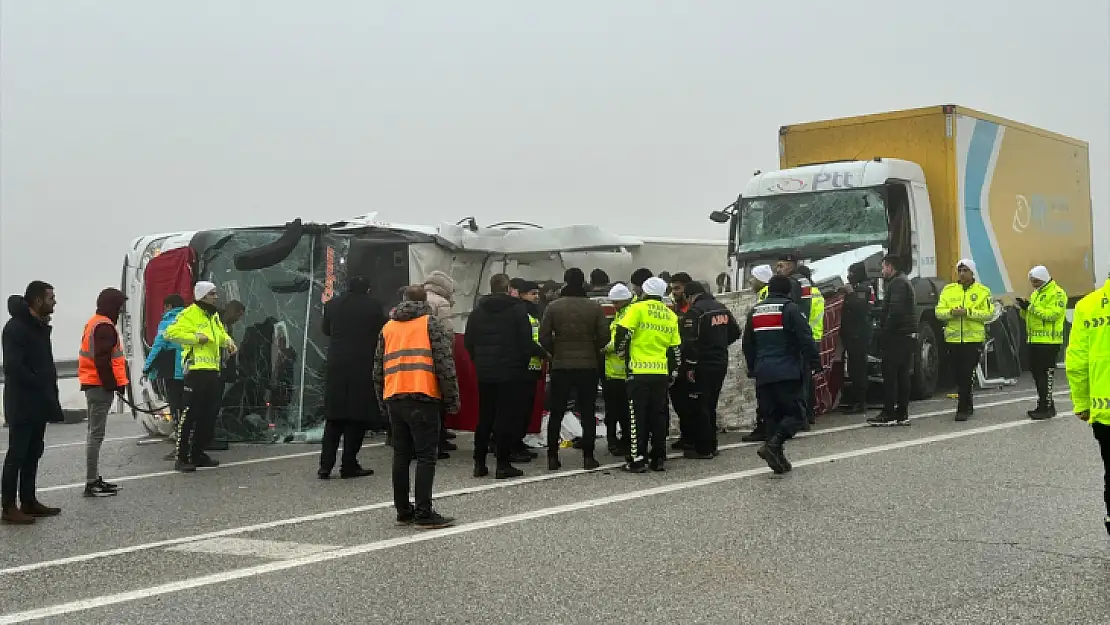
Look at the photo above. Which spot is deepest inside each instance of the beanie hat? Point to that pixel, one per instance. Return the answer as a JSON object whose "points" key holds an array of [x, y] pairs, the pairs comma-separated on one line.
{"points": [[970, 264], [763, 273], [202, 289], [619, 293], [779, 284], [1040, 272], [655, 287]]}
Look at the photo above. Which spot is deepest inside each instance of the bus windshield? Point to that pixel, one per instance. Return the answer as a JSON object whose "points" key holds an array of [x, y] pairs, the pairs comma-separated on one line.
{"points": [[852, 216]]}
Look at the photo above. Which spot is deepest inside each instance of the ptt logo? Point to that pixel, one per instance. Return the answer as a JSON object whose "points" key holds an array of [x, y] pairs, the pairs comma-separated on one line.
{"points": [[787, 185]]}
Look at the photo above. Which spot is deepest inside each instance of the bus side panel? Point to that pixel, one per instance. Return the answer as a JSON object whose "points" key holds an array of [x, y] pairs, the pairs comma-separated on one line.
{"points": [[1025, 200], [921, 138]]}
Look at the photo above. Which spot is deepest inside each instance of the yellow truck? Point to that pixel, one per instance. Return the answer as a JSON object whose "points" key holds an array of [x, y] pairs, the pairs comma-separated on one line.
{"points": [[930, 185]]}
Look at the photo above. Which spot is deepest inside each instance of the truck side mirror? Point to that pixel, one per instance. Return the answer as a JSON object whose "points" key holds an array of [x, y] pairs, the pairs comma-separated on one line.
{"points": [[720, 217]]}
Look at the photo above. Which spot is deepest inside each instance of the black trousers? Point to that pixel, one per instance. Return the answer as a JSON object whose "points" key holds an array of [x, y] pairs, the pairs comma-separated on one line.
{"points": [[415, 426], [204, 392], [783, 407], [21, 463], [685, 407], [650, 416], [352, 432], [897, 361], [1102, 435], [615, 395], [175, 397], [965, 358], [581, 384], [499, 414], [706, 393], [1042, 363], [857, 372]]}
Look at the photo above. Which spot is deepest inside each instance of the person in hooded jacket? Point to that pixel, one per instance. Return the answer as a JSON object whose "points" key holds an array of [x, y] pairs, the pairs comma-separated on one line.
{"points": [[574, 330], [352, 322], [708, 329], [780, 353], [855, 335], [499, 340], [30, 400], [102, 372], [439, 288], [205, 341]]}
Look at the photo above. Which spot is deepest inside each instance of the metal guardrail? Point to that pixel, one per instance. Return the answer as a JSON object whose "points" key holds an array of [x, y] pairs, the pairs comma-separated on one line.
{"points": [[67, 369]]}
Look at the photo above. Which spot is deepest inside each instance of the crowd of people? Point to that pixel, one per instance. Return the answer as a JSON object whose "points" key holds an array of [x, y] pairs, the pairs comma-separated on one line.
{"points": [[653, 356]]}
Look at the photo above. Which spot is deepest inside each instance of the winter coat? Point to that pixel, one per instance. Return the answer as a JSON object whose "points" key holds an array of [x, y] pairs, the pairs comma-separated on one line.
{"points": [[30, 377], [855, 316], [441, 296], [353, 322], [163, 351], [499, 340], [708, 328], [443, 361], [899, 308], [574, 330], [783, 349]]}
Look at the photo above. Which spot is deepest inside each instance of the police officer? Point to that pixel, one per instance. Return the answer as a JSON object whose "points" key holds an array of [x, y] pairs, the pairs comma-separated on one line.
{"points": [[648, 340], [855, 334], [1044, 313], [761, 275], [1088, 376], [965, 307], [787, 266], [780, 354], [613, 391], [708, 328]]}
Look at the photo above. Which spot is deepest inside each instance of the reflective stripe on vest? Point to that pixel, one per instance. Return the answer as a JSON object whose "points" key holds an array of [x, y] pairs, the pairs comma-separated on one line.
{"points": [[654, 329], [535, 363], [407, 360], [817, 314], [87, 373]]}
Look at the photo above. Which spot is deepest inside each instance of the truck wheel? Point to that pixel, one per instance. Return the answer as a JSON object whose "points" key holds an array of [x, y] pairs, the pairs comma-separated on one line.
{"points": [[926, 363]]}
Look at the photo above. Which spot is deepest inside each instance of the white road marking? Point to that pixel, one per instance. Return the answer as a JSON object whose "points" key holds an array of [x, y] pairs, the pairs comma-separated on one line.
{"points": [[269, 549], [82, 443], [223, 465], [409, 539], [469, 490]]}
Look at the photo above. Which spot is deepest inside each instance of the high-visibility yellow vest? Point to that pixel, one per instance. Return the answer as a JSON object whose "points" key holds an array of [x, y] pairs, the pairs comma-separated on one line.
{"points": [[654, 329], [1044, 319], [976, 300], [1088, 356]]}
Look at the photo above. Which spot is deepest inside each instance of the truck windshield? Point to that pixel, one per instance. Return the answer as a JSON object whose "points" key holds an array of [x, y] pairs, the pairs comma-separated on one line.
{"points": [[825, 217]]}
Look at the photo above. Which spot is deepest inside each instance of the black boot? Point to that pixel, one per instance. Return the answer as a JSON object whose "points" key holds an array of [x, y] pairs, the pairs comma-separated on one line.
{"points": [[553, 463], [589, 463], [771, 453], [757, 435], [480, 468]]}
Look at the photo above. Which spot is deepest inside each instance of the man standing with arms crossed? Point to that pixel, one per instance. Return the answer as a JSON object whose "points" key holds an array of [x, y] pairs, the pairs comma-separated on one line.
{"points": [[414, 379], [648, 340], [1088, 367]]}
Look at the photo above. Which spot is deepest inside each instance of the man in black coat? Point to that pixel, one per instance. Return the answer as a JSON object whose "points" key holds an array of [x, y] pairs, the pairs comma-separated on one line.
{"points": [[708, 329], [898, 339], [855, 334], [499, 340], [30, 400], [780, 354], [353, 321]]}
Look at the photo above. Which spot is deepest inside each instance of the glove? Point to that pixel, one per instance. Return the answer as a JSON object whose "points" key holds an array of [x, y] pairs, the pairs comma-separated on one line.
{"points": [[231, 346], [1023, 303]]}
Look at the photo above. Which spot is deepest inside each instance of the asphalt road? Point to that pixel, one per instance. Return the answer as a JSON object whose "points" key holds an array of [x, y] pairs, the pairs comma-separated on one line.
{"points": [[996, 520]]}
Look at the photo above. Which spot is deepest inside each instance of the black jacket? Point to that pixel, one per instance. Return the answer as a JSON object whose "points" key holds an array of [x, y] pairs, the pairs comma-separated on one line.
{"points": [[30, 377], [800, 289], [708, 328], [353, 322], [782, 349], [855, 319], [499, 340], [899, 308]]}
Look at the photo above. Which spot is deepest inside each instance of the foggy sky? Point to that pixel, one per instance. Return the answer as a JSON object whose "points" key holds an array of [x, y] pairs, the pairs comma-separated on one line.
{"points": [[120, 118]]}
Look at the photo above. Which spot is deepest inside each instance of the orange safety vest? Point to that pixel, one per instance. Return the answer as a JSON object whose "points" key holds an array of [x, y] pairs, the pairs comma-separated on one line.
{"points": [[407, 359], [87, 374]]}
